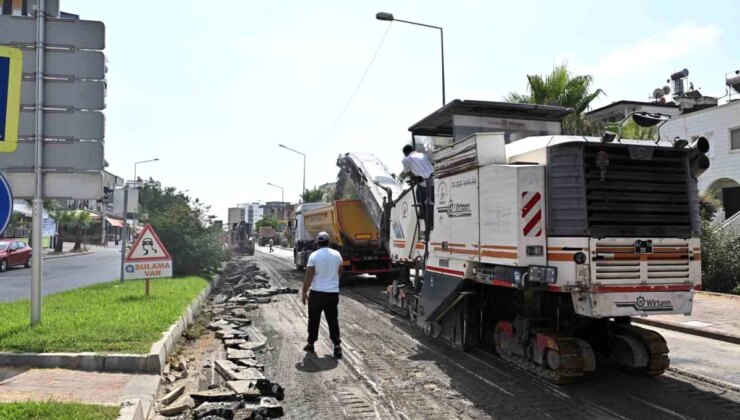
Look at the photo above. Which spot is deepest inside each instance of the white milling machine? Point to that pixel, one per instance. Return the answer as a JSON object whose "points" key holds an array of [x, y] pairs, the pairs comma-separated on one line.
{"points": [[543, 245]]}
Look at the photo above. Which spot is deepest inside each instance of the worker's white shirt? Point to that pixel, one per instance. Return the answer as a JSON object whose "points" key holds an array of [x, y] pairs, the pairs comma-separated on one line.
{"points": [[418, 164], [326, 262]]}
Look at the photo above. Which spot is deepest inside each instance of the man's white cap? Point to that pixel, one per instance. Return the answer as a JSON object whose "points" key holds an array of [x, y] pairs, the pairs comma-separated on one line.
{"points": [[322, 237]]}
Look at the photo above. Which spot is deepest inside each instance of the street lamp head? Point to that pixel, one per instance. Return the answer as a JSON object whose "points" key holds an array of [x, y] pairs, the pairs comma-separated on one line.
{"points": [[155, 159], [384, 16]]}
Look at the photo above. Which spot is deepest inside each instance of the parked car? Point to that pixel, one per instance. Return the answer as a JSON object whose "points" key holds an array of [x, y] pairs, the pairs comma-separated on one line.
{"points": [[14, 253]]}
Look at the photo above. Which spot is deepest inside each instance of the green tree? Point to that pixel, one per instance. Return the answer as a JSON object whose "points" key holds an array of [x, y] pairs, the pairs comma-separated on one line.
{"points": [[720, 266], [561, 88], [267, 221], [184, 227], [65, 219], [81, 220], [314, 195]]}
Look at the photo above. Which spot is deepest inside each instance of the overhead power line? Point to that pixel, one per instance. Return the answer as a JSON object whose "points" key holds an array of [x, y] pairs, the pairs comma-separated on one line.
{"points": [[357, 88]]}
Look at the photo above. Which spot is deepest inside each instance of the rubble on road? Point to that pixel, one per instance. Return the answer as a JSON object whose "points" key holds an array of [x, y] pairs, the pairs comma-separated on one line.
{"points": [[243, 391]]}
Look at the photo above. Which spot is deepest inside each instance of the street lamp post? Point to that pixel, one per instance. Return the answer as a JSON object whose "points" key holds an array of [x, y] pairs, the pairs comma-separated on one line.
{"points": [[282, 199], [389, 17], [124, 229], [303, 191], [136, 181]]}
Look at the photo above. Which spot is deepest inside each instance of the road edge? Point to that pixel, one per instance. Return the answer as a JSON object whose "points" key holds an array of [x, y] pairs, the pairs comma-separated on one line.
{"points": [[67, 255], [732, 339]]}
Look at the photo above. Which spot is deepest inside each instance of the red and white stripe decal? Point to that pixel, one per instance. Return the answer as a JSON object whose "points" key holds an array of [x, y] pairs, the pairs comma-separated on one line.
{"points": [[531, 204]]}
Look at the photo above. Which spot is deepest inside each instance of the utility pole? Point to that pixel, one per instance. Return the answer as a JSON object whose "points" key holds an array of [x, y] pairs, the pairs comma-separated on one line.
{"points": [[304, 166], [37, 255], [124, 229]]}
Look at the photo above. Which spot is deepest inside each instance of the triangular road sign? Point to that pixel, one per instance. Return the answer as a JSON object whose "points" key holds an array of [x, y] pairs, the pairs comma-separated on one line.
{"points": [[148, 247]]}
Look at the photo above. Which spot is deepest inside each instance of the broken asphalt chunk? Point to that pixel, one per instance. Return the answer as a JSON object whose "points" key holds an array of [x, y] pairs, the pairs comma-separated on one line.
{"points": [[177, 407], [220, 299], [173, 395], [268, 407], [217, 394], [216, 325], [234, 341], [232, 354], [224, 410], [232, 372], [247, 389]]}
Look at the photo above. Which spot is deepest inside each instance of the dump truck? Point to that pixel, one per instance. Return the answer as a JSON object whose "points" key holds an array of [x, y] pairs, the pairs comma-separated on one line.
{"points": [[542, 245], [266, 233], [351, 232]]}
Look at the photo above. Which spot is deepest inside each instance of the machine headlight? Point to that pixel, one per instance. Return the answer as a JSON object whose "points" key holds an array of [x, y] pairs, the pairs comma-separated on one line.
{"points": [[579, 258]]}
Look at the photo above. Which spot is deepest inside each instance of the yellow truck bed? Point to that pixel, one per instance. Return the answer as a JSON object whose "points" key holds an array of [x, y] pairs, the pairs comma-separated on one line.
{"points": [[343, 219]]}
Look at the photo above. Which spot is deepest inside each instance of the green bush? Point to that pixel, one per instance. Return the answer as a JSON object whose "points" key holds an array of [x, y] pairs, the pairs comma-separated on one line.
{"points": [[186, 230], [720, 262]]}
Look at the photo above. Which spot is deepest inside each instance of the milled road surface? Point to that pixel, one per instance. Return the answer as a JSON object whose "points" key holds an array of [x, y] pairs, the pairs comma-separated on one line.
{"points": [[63, 274], [392, 370]]}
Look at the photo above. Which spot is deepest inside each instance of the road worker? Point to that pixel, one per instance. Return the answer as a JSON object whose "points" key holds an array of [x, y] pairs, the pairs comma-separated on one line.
{"points": [[323, 271]]}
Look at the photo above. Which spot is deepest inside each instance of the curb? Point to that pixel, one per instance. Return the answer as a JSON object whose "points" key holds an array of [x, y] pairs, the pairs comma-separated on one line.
{"points": [[68, 255], [152, 363], [732, 339], [707, 379], [715, 294]]}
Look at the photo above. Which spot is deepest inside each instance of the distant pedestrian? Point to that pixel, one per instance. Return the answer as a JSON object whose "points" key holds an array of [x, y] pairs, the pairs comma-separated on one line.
{"points": [[270, 245], [323, 271]]}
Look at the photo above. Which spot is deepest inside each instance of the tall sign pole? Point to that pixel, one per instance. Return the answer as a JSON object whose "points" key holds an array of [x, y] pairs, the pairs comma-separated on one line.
{"points": [[34, 166], [124, 229], [38, 199]]}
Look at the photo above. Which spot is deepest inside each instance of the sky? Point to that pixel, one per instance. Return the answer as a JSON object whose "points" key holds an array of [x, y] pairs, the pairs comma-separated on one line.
{"points": [[212, 87]]}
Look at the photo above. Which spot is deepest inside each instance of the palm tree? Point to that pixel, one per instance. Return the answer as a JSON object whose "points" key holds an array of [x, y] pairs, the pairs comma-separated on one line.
{"points": [[561, 88], [82, 220], [313, 196], [64, 218]]}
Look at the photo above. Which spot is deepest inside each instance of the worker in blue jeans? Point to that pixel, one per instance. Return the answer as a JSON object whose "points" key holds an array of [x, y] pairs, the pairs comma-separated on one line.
{"points": [[321, 292]]}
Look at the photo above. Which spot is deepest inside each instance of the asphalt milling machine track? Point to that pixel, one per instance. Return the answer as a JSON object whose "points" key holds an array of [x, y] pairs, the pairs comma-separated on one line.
{"points": [[403, 372]]}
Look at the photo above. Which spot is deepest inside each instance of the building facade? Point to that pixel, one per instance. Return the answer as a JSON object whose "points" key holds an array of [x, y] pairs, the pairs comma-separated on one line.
{"points": [[253, 212], [721, 126]]}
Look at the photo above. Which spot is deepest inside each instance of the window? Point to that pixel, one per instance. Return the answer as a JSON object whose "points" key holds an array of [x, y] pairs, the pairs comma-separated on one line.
{"points": [[735, 139]]}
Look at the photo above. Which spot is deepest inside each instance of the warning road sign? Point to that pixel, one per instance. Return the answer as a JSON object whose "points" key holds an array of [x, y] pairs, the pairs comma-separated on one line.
{"points": [[148, 258]]}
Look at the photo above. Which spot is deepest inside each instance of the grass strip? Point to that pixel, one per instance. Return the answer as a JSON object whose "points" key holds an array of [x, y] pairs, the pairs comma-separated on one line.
{"points": [[108, 317], [50, 410]]}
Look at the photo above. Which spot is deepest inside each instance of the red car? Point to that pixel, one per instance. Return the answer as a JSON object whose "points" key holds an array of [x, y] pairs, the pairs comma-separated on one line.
{"points": [[14, 253]]}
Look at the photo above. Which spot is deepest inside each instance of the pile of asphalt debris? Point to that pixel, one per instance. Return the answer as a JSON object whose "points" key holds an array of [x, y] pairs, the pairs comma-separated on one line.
{"points": [[242, 391]]}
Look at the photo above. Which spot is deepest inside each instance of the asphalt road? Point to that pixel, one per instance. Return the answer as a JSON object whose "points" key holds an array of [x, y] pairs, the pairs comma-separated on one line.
{"points": [[698, 355], [389, 358], [62, 274]]}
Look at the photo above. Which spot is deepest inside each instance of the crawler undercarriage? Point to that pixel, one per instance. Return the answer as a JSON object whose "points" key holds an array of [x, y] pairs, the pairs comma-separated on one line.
{"points": [[534, 330]]}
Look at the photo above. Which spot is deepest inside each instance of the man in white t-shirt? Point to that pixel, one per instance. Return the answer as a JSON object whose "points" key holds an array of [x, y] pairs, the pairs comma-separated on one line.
{"points": [[421, 171], [323, 271]]}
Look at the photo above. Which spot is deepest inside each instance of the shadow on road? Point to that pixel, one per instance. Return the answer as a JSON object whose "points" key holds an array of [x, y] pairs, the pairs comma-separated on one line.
{"points": [[311, 363]]}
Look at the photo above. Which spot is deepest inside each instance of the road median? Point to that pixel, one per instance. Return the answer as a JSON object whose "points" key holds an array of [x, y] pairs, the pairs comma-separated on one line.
{"points": [[105, 327]]}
